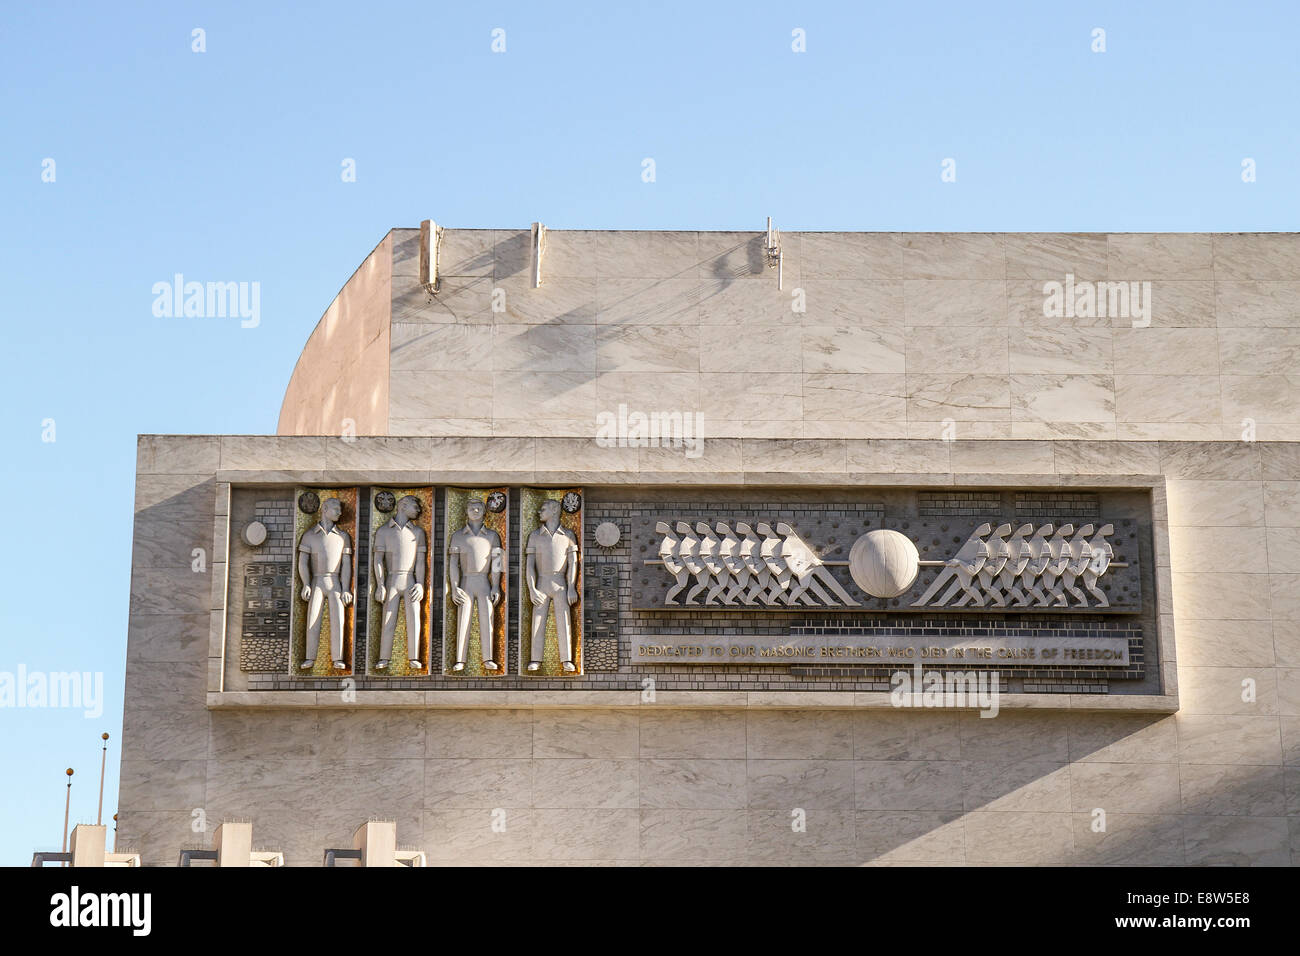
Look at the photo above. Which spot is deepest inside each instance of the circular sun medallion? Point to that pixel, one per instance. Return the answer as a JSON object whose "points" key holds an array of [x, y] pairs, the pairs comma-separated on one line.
{"points": [[884, 563]]}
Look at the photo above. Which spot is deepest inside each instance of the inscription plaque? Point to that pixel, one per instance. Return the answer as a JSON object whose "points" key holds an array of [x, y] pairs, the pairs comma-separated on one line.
{"points": [[883, 650]]}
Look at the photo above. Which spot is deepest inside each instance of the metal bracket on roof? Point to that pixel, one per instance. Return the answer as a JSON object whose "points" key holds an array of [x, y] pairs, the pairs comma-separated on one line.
{"points": [[539, 244], [430, 239], [773, 250]]}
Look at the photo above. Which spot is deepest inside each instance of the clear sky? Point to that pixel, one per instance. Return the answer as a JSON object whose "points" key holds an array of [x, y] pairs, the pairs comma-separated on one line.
{"points": [[227, 165]]}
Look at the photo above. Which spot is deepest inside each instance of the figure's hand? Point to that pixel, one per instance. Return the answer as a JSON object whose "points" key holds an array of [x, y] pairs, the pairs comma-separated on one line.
{"points": [[416, 593], [380, 594], [347, 597], [495, 595], [460, 595], [538, 597], [306, 592], [573, 596]]}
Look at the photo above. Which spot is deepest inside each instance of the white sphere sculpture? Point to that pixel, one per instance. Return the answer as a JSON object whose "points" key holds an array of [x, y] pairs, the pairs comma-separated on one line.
{"points": [[884, 563]]}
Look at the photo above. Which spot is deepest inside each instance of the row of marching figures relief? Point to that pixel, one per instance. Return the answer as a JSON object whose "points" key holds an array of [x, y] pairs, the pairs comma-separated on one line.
{"points": [[476, 560], [767, 564]]}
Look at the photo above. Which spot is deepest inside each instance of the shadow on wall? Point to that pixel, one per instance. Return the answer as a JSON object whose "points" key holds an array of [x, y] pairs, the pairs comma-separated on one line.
{"points": [[658, 299], [697, 787]]}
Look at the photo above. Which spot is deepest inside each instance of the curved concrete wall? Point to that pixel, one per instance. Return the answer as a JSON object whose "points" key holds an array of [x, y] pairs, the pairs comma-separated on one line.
{"points": [[342, 372]]}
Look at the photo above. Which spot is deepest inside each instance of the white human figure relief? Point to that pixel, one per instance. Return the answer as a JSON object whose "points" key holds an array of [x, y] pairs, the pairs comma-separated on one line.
{"points": [[800, 559], [1080, 552], [759, 574], [812, 573], [999, 554], [1040, 553], [770, 551], [668, 554], [1059, 549], [961, 570], [400, 553], [1102, 555], [689, 550], [1019, 554], [325, 568], [729, 554], [551, 573], [712, 559]]}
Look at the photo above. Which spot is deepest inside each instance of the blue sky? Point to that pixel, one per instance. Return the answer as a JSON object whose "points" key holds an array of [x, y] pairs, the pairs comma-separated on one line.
{"points": [[226, 165]]}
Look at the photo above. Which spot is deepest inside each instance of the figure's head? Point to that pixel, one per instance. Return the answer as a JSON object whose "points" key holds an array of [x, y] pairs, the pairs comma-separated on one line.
{"points": [[332, 509], [550, 509], [662, 527], [475, 509], [410, 507]]}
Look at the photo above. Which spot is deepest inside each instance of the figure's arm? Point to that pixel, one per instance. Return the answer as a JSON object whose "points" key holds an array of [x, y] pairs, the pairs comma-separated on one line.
{"points": [[453, 575], [345, 570], [379, 575], [421, 559], [530, 575], [495, 560], [304, 573], [571, 567]]}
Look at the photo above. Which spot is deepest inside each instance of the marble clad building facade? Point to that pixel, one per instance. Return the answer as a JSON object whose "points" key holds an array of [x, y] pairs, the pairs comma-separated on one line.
{"points": [[1064, 466]]}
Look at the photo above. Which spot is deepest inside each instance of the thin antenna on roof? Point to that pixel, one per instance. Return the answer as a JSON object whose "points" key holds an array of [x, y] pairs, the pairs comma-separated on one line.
{"points": [[539, 242], [103, 762], [430, 237], [66, 807], [774, 257]]}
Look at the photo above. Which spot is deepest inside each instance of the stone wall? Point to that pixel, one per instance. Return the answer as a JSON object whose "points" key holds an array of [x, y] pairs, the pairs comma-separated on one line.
{"points": [[900, 335], [718, 778]]}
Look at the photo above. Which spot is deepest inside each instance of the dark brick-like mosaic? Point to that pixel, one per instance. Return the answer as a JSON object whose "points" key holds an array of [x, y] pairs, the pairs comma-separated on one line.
{"points": [[264, 644]]}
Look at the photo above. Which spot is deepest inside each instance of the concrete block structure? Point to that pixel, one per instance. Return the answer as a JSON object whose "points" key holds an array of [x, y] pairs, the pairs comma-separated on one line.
{"points": [[919, 383]]}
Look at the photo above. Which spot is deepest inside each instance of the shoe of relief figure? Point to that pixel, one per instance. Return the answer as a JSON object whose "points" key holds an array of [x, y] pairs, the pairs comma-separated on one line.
{"points": [[457, 667], [489, 665], [415, 665], [569, 667], [307, 665], [534, 666], [340, 665], [381, 666]]}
